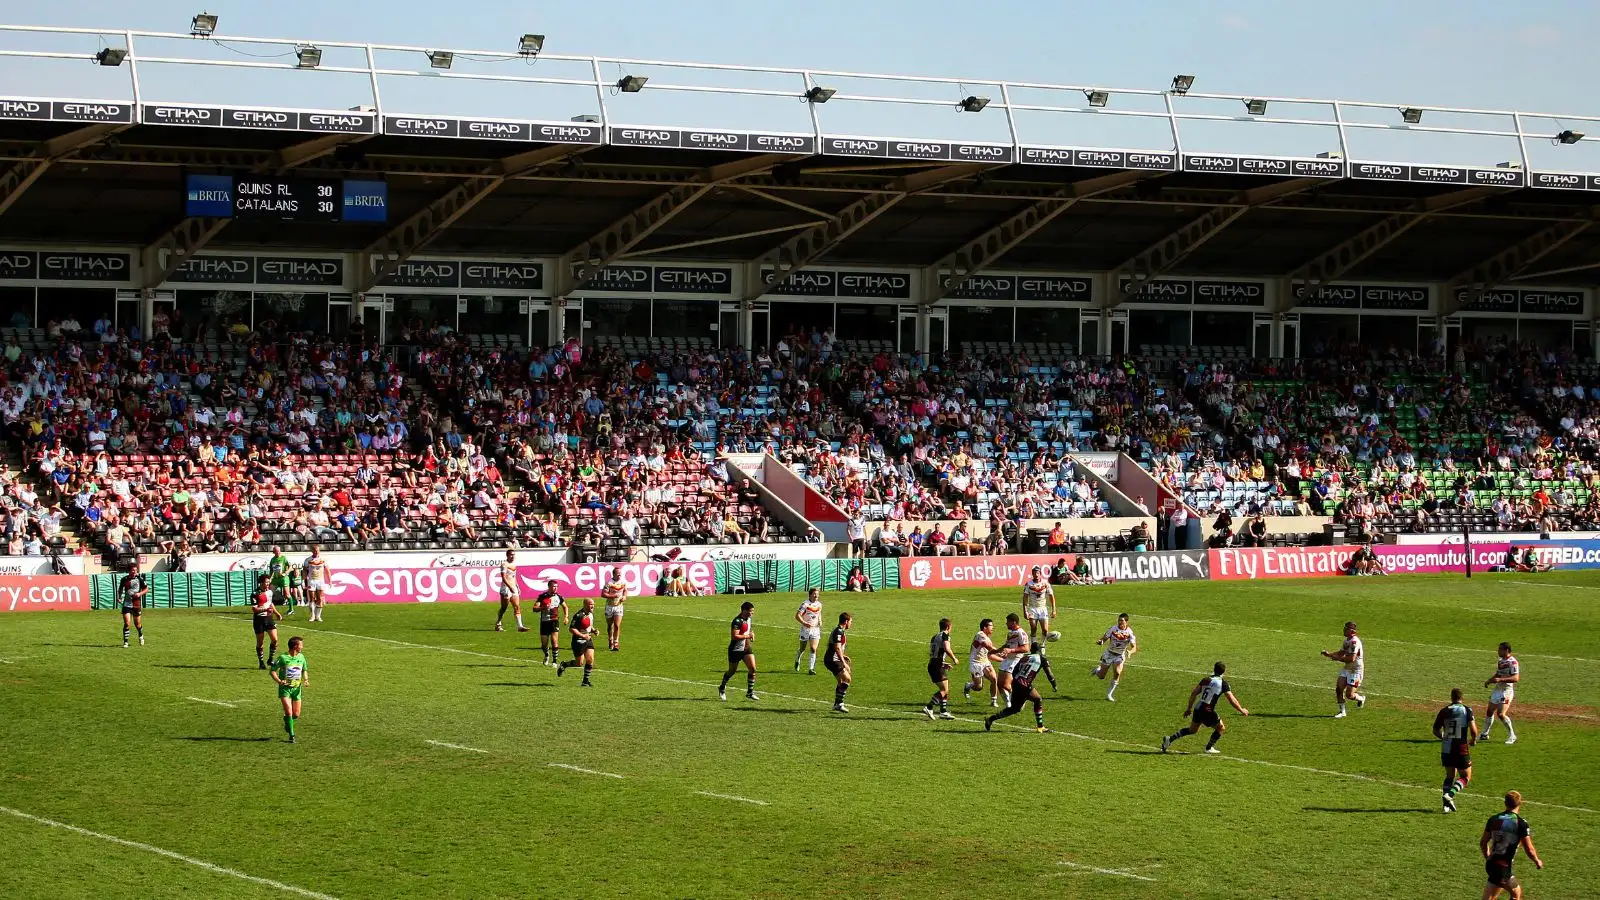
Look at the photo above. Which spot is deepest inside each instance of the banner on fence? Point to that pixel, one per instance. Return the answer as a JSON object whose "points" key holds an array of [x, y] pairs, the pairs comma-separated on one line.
{"points": [[27, 593], [1312, 562], [365, 559], [477, 584], [1167, 565], [973, 571], [738, 552], [39, 565]]}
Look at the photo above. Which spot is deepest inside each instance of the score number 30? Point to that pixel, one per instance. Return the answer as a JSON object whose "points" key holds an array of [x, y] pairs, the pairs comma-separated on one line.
{"points": [[324, 205]]}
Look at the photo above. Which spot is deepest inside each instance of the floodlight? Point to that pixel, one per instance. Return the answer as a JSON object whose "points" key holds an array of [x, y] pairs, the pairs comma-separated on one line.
{"points": [[111, 56], [440, 59], [1255, 107], [974, 104], [1566, 137], [202, 25], [1182, 83], [820, 94], [1411, 115], [1097, 99], [632, 84], [530, 45], [309, 56]]}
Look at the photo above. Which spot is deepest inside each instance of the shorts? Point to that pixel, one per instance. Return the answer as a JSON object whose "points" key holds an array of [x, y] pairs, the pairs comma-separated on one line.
{"points": [[1109, 659], [549, 627], [132, 610], [289, 693], [1499, 873], [1350, 677], [736, 657], [264, 624], [833, 665], [1460, 759], [937, 672], [509, 594], [1503, 693], [1206, 717], [613, 612], [579, 648], [1037, 614], [980, 669], [1009, 663], [810, 634], [316, 584]]}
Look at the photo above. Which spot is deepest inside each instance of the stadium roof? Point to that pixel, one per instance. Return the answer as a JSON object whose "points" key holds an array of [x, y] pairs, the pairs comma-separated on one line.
{"points": [[103, 160]]}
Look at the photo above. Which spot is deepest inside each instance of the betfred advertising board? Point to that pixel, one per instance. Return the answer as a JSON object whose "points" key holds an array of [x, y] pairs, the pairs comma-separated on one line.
{"points": [[973, 571], [477, 584], [29, 593]]}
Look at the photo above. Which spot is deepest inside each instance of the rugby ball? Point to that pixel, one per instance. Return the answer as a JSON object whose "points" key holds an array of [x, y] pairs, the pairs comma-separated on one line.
{"points": [[1052, 636]]}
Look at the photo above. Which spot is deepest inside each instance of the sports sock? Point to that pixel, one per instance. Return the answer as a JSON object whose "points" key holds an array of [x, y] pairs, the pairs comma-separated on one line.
{"points": [[1114, 683], [288, 725], [1177, 734], [812, 664], [932, 701], [1510, 731], [140, 629], [261, 655], [944, 703], [1487, 728], [750, 683], [1215, 736], [125, 634], [587, 668], [722, 688], [1449, 788], [838, 694], [519, 620], [799, 653], [1341, 707]]}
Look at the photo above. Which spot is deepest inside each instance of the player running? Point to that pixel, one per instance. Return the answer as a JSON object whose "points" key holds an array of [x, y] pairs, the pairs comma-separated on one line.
{"points": [[1507, 672], [615, 593], [1457, 731], [510, 593], [552, 616], [1502, 835], [1038, 603], [1017, 643], [1203, 701], [278, 567], [264, 616], [837, 661], [980, 663], [741, 651], [582, 629], [1120, 644], [290, 675], [809, 615], [316, 576], [132, 591], [940, 661], [1028, 667], [1352, 655]]}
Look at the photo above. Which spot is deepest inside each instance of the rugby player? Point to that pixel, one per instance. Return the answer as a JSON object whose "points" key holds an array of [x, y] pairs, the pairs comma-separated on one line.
{"points": [[264, 618], [980, 663], [615, 593], [1038, 603], [1016, 646], [278, 567], [1028, 666], [510, 593], [290, 675], [940, 661], [1507, 672], [1121, 644], [582, 629], [133, 590], [1457, 731], [552, 616], [316, 572], [809, 615], [741, 651], [1352, 656], [837, 661], [1203, 701], [1502, 835]]}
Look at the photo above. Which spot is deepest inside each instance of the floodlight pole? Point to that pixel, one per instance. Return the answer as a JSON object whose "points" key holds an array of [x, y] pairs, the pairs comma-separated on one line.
{"points": [[816, 117], [133, 74], [1466, 544], [377, 101]]}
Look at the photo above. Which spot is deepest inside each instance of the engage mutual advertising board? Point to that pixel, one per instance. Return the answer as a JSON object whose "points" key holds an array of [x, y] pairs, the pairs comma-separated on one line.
{"points": [[478, 584]]}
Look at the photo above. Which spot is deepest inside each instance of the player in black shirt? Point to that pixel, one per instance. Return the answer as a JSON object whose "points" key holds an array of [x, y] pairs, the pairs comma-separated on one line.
{"points": [[741, 649], [133, 591], [1457, 731], [1027, 668], [1207, 693], [1502, 835], [581, 627], [552, 614], [837, 661], [940, 660]]}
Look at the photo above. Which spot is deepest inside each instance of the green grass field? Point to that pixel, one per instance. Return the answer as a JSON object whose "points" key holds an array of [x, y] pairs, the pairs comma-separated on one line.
{"points": [[178, 746]]}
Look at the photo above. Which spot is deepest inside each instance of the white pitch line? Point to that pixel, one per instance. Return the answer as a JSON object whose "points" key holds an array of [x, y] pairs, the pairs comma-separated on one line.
{"points": [[1121, 873], [148, 848], [215, 702], [583, 770], [732, 797], [12, 659], [901, 712], [456, 747]]}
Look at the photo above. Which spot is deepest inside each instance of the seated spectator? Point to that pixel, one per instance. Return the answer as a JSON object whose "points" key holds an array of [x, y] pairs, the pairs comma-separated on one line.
{"points": [[858, 582]]}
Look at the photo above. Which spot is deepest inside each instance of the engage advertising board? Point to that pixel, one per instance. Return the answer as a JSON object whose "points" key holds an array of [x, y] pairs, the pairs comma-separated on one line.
{"points": [[478, 584]]}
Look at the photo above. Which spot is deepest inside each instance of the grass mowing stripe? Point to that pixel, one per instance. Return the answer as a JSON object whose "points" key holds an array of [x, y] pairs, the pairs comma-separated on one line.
{"points": [[1083, 737], [159, 851], [732, 797]]}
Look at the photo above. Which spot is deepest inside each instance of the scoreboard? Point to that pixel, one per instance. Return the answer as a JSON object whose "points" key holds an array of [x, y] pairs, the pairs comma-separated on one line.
{"points": [[278, 199]]}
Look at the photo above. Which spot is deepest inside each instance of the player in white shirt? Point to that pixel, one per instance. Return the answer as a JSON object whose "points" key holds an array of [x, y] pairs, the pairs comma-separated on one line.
{"points": [[980, 663], [809, 615], [1352, 657], [1120, 643], [1038, 603], [1016, 647], [1507, 672]]}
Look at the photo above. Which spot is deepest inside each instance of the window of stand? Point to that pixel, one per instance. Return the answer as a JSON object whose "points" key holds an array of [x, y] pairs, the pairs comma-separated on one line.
{"points": [[495, 315], [1047, 325], [420, 314], [790, 318], [986, 324], [82, 305], [17, 307], [616, 316], [1383, 335], [867, 322], [1214, 328], [213, 315], [1328, 335], [684, 318], [1158, 327], [1546, 334]]}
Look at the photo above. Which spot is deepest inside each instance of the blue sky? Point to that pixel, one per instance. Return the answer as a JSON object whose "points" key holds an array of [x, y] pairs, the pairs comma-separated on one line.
{"points": [[1531, 55]]}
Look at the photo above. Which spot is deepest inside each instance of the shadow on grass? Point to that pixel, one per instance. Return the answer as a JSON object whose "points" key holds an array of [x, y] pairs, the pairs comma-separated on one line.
{"points": [[237, 740], [1375, 811], [90, 646], [534, 684], [673, 699], [490, 666], [191, 666], [1256, 715], [1411, 740], [770, 710], [1140, 752]]}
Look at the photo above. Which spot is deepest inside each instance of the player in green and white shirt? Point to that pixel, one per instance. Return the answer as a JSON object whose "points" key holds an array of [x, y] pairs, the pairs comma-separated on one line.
{"points": [[289, 673], [278, 570]]}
